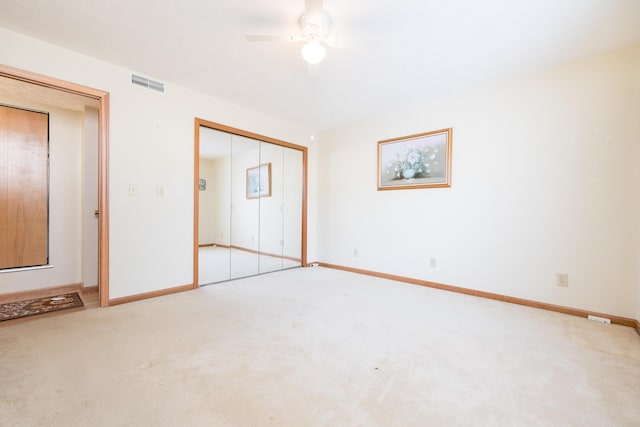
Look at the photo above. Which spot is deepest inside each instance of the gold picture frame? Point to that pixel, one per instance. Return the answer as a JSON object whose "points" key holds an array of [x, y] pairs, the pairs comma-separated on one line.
{"points": [[415, 161], [259, 181]]}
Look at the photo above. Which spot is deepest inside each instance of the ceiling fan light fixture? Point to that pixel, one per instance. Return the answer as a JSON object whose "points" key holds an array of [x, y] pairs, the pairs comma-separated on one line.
{"points": [[313, 52]]}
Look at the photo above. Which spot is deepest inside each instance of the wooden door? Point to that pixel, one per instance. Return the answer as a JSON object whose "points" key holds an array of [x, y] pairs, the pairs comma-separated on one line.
{"points": [[24, 187]]}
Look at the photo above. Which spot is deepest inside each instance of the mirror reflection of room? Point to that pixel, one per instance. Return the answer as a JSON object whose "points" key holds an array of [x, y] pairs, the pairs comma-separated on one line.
{"points": [[250, 207]]}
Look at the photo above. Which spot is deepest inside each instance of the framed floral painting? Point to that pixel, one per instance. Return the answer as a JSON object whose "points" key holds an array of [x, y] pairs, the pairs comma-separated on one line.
{"points": [[415, 161], [259, 181]]}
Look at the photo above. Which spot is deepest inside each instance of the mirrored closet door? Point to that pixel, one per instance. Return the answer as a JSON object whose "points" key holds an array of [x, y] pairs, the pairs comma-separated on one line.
{"points": [[250, 204]]}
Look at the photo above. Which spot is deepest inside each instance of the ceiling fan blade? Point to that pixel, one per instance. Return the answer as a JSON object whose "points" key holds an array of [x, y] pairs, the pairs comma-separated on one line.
{"points": [[350, 42], [313, 7], [270, 38]]}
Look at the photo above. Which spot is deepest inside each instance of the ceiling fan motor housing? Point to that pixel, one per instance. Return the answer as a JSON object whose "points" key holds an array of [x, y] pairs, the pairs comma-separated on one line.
{"points": [[315, 27]]}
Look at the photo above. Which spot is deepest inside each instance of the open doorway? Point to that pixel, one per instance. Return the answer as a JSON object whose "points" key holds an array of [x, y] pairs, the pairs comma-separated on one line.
{"points": [[94, 105]]}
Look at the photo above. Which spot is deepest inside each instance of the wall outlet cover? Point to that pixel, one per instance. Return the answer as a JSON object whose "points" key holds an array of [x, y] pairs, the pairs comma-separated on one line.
{"points": [[562, 280], [599, 319]]}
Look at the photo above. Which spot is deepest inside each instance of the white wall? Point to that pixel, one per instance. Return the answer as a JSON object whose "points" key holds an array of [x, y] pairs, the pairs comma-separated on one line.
{"points": [[292, 202], [65, 198], [544, 174], [271, 208], [280, 215], [207, 204], [222, 188], [151, 143], [543, 180]]}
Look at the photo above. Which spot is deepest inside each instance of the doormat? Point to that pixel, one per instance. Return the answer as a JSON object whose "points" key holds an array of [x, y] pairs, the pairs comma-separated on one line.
{"points": [[14, 310]]}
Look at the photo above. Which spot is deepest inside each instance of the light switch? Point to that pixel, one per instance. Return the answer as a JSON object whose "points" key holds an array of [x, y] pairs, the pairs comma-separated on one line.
{"points": [[133, 190], [159, 190]]}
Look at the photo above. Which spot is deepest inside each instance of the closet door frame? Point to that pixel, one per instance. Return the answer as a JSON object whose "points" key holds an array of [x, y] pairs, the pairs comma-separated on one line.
{"points": [[198, 122]]}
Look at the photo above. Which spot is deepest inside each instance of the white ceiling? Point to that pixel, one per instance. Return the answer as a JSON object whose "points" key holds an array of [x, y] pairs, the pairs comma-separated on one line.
{"points": [[409, 51]]}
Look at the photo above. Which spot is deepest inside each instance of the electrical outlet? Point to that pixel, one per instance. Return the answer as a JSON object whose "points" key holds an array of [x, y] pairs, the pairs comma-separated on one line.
{"points": [[562, 280], [355, 253], [433, 262]]}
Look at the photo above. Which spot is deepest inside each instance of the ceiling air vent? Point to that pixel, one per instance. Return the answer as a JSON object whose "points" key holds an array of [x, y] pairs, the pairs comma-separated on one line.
{"points": [[148, 83]]}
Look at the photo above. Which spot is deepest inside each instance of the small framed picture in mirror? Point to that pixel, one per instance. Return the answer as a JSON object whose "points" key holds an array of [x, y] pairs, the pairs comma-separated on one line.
{"points": [[259, 181]]}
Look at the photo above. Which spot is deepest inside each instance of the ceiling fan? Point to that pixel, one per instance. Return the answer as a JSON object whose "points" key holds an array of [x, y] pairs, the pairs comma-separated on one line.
{"points": [[314, 33]]}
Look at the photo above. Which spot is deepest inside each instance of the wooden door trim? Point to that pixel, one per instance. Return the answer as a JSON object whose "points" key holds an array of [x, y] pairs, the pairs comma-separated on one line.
{"points": [[103, 159], [196, 202]]}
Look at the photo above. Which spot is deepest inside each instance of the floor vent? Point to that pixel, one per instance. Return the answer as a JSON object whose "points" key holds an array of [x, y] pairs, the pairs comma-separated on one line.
{"points": [[148, 83]]}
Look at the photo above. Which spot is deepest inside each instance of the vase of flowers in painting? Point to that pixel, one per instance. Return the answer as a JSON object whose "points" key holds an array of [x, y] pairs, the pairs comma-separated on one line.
{"points": [[408, 173]]}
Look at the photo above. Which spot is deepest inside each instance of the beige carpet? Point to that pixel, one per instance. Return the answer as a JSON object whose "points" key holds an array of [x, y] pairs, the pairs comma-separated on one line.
{"points": [[318, 347]]}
